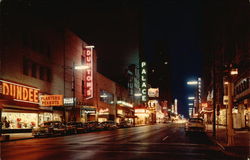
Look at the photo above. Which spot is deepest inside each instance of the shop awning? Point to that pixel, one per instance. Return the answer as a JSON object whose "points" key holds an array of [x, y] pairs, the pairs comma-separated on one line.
{"points": [[19, 107]]}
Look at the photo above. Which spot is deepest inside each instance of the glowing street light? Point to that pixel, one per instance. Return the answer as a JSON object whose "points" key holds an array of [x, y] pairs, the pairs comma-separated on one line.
{"points": [[190, 104], [234, 71], [191, 98], [76, 67], [192, 82], [81, 67]]}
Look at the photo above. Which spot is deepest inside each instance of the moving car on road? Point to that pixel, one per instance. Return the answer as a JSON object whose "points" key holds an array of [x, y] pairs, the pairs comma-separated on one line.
{"points": [[195, 125], [49, 128]]}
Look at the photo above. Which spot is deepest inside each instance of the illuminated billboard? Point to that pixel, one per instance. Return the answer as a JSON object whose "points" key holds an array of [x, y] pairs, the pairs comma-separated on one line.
{"points": [[153, 92]]}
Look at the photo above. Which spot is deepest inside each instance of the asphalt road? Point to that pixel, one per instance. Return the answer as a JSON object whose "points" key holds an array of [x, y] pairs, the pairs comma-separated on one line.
{"points": [[161, 141]]}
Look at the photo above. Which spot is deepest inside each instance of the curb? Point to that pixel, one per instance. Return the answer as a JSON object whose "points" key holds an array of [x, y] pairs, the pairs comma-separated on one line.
{"points": [[222, 148], [11, 140]]}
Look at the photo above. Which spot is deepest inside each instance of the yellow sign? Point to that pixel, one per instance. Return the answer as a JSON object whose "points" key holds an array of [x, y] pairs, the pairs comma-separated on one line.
{"points": [[51, 100], [19, 92]]}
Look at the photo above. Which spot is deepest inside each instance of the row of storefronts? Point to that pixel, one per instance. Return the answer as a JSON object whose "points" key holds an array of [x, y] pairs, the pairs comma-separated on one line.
{"points": [[241, 105], [37, 87]]}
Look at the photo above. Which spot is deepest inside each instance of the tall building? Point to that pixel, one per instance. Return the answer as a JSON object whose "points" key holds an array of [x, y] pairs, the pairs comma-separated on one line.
{"points": [[159, 71]]}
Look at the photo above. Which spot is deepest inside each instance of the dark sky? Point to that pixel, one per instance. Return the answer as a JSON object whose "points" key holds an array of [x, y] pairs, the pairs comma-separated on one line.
{"points": [[116, 28], [178, 24]]}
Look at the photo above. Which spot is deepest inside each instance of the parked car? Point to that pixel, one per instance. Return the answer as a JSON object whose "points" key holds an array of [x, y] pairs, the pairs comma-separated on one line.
{"points": [[76, 127], [195, 125], [108, 125], [49, 128], [124, 124], [94, 126]]}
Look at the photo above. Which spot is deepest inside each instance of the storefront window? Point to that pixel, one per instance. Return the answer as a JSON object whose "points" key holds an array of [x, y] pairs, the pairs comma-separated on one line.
{"points": [[102, 119], [43, 117], [12, 120]]}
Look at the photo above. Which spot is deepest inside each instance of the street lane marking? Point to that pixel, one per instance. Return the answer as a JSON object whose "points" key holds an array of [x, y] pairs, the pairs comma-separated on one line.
{"points": [[164, 138]]}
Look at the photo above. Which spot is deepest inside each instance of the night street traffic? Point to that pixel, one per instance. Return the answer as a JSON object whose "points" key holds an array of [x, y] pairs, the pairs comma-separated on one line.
{"points": [[162, 141]]}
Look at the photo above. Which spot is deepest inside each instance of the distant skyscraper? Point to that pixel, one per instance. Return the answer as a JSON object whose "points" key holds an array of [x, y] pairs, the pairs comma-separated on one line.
{"points": [[159, 70], [175, 106]]}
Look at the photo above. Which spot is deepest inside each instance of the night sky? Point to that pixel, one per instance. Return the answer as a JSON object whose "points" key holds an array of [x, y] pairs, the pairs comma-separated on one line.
{"points": [[117, 28], [177, 23]]}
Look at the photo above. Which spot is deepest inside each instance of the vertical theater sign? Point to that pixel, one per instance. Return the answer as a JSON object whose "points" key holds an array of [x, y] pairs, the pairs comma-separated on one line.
{"points": [[144, 81], [88, 75]]}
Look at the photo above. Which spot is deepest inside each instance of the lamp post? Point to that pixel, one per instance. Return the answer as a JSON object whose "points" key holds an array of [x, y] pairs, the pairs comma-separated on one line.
{"points": [[229, 84], [75, 67]]}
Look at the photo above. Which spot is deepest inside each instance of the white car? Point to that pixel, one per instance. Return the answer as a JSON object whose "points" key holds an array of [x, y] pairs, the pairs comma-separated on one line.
{"points": [[195, 125]]}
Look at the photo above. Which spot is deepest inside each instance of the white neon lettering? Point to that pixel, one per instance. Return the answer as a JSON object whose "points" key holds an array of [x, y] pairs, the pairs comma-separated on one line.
{"points": [[143, 71], [143, 64]]}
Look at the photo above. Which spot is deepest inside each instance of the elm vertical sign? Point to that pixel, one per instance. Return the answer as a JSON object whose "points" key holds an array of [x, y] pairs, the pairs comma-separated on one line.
{"points": [[88, 76], [144, 81]]}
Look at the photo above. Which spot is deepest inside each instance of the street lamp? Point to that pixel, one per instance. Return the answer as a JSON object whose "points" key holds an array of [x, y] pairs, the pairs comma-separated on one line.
{"points": [[76, 67], [191, 98], [229, 84], [192, 82]]}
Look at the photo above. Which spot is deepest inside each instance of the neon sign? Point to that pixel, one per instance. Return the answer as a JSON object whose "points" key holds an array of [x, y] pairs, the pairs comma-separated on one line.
{"points": [[19, 92], [88, 78], [103, 111], [144, 81]]}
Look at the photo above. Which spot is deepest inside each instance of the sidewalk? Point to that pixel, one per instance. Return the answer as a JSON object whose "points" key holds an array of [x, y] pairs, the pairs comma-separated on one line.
{"points": [[241, 148], [15, 136]]}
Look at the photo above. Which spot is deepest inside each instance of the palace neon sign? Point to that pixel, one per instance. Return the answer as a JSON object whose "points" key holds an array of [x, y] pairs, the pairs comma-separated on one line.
{"points": [[19, 92], [144, 81], [88, 76]]}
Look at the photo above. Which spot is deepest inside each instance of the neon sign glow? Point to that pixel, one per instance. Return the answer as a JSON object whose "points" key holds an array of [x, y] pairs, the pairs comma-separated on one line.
{"points": [[88, 76], [19, 92], [144, 81]]}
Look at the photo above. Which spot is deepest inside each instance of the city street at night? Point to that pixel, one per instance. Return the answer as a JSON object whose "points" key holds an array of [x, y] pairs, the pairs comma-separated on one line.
{"points": [[162, 141], [124, 80]]}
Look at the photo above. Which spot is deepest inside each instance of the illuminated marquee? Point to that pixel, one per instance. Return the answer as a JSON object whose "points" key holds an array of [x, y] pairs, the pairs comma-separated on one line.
{"points": [[88, 76], [144, 81], [19, 92], [153, 92]]}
